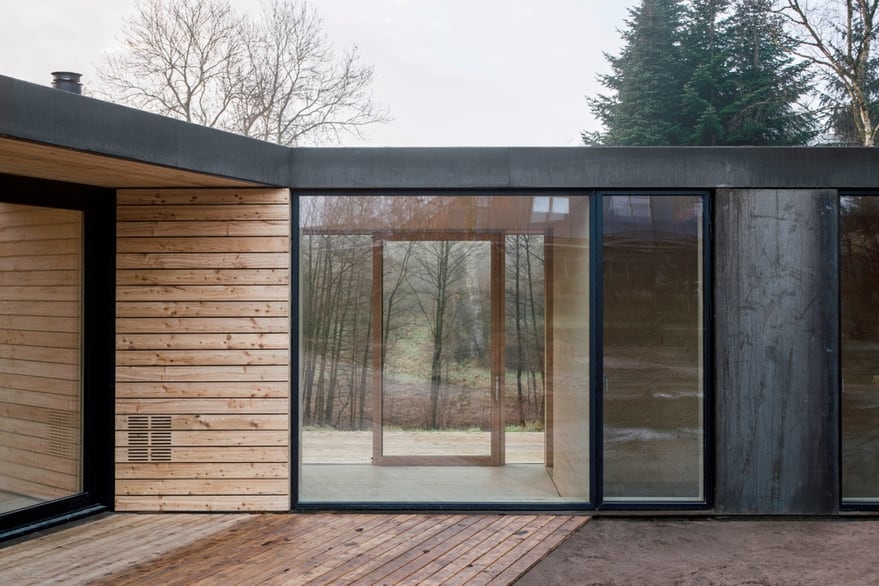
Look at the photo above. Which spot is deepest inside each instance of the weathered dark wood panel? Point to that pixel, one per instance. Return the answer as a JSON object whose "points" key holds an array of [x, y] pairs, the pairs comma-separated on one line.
{"points": [[776, 352]]}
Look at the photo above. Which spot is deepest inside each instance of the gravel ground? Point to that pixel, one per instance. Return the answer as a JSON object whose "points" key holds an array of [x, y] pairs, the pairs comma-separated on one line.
{"points": [[615, 550]]}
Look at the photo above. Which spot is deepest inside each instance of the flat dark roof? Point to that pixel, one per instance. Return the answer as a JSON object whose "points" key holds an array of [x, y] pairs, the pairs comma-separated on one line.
{"points": [[40, 114]]}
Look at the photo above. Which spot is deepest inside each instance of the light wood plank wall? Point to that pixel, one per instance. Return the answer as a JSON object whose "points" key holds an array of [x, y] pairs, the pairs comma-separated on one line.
{"points": [[40, 332], [202, 350]]}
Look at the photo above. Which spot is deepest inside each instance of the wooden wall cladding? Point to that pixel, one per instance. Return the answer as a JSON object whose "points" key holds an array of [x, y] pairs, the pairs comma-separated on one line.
{"points": [[202, 350], [40, 331]]}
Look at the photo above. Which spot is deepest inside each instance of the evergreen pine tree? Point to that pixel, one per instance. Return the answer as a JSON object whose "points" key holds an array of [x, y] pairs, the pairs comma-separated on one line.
{"points": [[768, 82], [646, 80], [711, 72], [708, 88]]}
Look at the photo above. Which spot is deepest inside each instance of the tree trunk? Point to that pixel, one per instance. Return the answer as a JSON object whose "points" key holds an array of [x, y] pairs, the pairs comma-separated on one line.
{"points": [[517, 313], [436, 368]]}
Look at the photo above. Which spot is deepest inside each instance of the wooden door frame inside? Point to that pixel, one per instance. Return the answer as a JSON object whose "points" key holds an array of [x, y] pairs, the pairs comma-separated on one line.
{"points": [[497, 344]]}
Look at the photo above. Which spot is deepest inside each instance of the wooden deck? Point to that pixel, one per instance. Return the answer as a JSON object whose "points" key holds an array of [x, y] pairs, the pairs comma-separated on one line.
{"points": [[288, 549]]}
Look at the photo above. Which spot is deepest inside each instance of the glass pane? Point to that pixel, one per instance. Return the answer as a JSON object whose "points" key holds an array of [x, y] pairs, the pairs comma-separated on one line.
{"points": [[437, 377], [525, 398], [335, 308], [40, 326], [368, 281], [859, 290], [653, 347]]}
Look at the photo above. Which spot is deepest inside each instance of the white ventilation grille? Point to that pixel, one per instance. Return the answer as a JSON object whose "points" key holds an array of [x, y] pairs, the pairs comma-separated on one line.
{"points": [[149, 438]]}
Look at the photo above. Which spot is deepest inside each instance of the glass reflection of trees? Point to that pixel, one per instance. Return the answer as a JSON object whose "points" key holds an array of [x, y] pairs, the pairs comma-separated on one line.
{"points": [[336, 289], [437, 327], [652, 256], [859, 290]]}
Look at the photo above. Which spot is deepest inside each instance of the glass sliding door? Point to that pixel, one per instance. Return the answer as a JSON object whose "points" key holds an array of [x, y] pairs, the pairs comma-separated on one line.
{"points": [[859, 335], [525, 348], [41, 416], [654, 341]]}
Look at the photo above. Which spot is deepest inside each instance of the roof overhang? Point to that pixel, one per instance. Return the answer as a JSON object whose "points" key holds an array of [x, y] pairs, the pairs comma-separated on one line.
{"points": [[50, 134]]}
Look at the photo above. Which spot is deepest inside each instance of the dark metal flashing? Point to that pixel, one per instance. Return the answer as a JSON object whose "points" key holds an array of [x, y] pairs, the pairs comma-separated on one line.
{"points": [[584, 168], [45, 115], [42, 114]]}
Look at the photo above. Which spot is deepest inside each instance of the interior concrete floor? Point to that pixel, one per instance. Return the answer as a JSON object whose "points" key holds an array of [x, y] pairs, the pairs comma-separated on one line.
{"points": [[337, 468], [365, 483]]}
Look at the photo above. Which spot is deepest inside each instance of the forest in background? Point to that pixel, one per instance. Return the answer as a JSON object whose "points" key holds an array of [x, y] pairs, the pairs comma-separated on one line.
{"points": [[435, 331], [742, 72]]}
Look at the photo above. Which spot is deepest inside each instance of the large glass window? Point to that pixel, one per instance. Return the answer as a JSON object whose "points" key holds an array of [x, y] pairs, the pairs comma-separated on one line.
{"points": [[859, 290], [41, 456], [444, 349], [653, 382]]}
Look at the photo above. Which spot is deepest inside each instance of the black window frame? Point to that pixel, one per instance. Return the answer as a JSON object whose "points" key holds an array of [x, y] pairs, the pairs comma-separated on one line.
{"points": [[596, 352], [846, 505], [98, 207]]}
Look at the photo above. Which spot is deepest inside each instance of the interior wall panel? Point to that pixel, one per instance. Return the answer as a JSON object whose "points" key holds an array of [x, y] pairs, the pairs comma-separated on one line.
{"points": [[40, 371]]}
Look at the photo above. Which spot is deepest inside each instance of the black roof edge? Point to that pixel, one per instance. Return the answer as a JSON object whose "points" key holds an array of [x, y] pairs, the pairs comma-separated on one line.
{"points": [[506, 168], [45, 115]]}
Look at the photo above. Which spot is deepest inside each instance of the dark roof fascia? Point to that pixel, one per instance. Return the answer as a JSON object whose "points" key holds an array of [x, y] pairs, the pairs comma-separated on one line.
{"points": [[45, 115], [585, 167]]}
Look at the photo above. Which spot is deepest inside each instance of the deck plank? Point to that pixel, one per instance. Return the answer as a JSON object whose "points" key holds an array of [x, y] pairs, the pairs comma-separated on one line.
{"points": [[83, 553], [432, 549], [298, 551], [359, 550], [324, 548], [403, 542], [478, 571], [479, 545], [236, 551], [455, 547], [47, 548], [529, 552]]}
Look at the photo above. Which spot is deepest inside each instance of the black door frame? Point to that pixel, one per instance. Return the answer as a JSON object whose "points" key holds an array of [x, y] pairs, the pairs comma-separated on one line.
{"points": [[98, 334]]}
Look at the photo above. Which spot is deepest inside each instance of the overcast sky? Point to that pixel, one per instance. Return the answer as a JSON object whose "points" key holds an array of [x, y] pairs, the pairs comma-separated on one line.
{"points": [[452, 72]]}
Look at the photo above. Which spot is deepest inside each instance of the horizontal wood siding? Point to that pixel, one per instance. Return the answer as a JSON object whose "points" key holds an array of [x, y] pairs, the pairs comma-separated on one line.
{"points": [[203, 350], [40, 331]]}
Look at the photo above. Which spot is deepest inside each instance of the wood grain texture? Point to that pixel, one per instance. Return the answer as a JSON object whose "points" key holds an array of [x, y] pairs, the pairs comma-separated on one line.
{"points": [[40, 353], [569, 362], [203, 343], [188, 549], [49, 162]]}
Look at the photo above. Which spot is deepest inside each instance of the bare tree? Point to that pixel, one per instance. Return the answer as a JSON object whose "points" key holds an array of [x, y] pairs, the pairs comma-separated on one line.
{"points": [[275, 77], [837, 36], [438, 289]]}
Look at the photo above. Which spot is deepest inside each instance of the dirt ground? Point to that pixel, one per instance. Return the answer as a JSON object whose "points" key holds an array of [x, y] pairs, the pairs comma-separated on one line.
{"points": [[615, 550]]}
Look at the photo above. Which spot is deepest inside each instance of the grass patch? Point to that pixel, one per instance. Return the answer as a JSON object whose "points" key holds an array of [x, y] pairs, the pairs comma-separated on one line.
{"points": [[530, 426]]}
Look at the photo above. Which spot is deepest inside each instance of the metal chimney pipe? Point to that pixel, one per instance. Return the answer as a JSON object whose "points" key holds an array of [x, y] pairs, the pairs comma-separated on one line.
{"points": [[67, 81]]}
